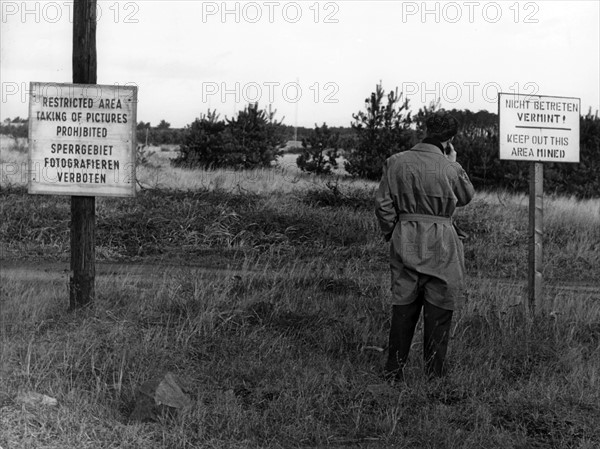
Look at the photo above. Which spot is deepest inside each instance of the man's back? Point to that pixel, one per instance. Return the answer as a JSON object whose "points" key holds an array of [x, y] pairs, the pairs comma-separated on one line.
{"points": [[426, 182], [418, 194]]}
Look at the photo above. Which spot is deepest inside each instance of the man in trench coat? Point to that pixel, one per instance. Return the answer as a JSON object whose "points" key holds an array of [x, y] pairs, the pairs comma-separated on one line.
{"points": [[419, 191]]}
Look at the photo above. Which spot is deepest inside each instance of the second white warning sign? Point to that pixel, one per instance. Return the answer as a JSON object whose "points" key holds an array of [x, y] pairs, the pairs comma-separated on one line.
{"points": [[539, 128]]}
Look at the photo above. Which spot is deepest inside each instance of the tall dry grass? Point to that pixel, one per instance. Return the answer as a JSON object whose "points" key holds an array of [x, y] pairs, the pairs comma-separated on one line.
{"points": [[275, 355], [269, 297]]}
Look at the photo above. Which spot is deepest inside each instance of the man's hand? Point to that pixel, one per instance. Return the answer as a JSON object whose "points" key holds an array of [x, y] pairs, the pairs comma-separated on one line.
{"points": [[452, 154]]}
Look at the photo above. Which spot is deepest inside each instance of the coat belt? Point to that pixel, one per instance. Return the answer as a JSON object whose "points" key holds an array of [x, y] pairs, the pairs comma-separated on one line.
{"points": [[424, 218]]}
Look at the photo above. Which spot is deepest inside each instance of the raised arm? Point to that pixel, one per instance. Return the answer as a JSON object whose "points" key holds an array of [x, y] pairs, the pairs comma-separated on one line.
{"points": [[463, 189]]}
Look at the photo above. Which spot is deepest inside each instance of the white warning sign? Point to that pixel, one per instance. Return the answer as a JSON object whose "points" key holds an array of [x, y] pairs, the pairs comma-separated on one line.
{"points": [[82, 139], [539, 128]]}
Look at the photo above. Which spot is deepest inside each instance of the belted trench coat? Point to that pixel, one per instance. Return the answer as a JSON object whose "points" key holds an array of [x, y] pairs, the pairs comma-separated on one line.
{"points": [[417, 196]]}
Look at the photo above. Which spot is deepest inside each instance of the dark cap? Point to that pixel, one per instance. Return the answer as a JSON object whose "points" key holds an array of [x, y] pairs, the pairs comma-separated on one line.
{"points": [[441, 125]]}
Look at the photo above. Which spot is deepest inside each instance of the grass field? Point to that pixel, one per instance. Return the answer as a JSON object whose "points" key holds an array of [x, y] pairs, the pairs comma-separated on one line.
{"points": [[267, 293]]}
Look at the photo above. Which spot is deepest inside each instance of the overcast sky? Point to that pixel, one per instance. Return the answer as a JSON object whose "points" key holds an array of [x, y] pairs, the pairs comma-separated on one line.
{"points": [[314, 61]]}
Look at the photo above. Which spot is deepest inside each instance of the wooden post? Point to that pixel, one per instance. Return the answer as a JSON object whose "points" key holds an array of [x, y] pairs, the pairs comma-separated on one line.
{"points": [[536, 196], [83, 208]]}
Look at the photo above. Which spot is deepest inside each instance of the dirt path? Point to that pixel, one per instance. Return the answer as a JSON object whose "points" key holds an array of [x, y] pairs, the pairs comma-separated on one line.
{"points": [[24, 271]]}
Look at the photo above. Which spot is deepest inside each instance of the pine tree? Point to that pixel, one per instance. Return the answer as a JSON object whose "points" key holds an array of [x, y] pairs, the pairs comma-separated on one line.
{"points": [[255, 138], [381, 131], [319, 151], [203, 143]]}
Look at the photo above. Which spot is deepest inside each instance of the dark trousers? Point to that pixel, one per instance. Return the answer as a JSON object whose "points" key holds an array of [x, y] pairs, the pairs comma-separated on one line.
{"points": [[435, 336]]}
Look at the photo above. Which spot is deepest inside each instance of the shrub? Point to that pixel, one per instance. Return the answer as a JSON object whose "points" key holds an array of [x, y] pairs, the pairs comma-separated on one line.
{"points": [[17, 128], [203, 143], [319, 151], [254, 138], [251, 140], [380, 132]]}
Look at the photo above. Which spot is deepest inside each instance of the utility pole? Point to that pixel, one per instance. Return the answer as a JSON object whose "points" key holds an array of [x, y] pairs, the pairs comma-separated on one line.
{"points": [[83, 208]]}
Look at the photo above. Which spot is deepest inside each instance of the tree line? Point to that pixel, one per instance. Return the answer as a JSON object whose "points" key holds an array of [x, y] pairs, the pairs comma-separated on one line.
{"points": [[254, 138], [384, 126]]}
